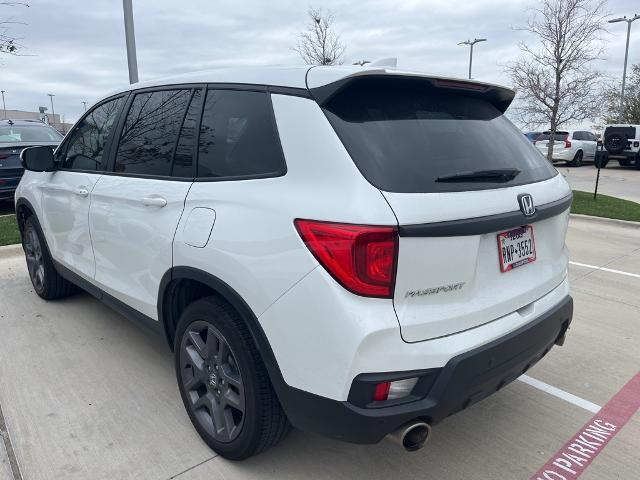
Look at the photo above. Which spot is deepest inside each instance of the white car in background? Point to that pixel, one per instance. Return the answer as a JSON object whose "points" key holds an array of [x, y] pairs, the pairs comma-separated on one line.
{"points": [[572, 147]]}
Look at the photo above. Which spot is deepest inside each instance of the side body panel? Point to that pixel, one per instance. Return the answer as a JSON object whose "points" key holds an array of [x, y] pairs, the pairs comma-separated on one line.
{"points": [[254, 246], [66, 199], [133, 234]]}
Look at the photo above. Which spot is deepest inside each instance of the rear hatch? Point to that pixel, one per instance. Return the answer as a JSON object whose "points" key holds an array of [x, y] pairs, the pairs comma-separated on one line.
{"points": [[452, 168]]}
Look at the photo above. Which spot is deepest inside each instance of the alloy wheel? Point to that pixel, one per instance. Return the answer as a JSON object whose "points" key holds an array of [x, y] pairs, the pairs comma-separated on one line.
{"points": [[35, 261], [211, 379]]}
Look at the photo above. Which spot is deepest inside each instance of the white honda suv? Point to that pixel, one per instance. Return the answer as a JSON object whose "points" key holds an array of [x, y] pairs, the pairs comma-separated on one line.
{"points": [[358, 252]]}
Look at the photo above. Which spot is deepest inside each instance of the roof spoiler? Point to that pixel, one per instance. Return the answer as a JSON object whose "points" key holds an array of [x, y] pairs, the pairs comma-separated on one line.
{"points": [[498, 96]]}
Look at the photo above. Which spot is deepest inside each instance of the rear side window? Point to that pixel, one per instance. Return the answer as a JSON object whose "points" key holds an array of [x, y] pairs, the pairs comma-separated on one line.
{"points": [[238, 137], [558, 137], [151, 132], [86, 145], [405, 135]]}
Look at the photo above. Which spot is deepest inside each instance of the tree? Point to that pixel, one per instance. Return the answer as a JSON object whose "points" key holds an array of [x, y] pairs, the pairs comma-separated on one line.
{"points": [[555, 81], [319, 44], [8, 43], [631, 107]]}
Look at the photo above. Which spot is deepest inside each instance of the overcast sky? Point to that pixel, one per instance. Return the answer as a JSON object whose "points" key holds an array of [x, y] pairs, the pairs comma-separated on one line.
{"points": [[75, 49]]}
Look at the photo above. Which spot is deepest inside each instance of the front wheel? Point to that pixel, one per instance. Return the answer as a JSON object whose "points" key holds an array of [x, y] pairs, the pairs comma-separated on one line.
{"points": [[223, 382]]}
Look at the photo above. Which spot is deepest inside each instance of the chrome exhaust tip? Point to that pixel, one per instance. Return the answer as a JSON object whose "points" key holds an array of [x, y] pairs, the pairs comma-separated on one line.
{"points": [[411, 436]]}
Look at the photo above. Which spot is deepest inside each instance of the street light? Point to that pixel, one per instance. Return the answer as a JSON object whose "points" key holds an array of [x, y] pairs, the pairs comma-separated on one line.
{"points": [[130, 39], [85, 105], [471, 44], [626, 54], [4, 107], [53, 112]]}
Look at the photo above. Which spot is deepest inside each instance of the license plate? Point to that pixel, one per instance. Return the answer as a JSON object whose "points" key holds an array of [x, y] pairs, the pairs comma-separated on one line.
{"points": [[516, 247]]}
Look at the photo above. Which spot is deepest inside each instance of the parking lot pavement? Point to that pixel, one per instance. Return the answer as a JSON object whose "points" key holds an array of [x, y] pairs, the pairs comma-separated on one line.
{"points": [[622, 182], [85, 394]]}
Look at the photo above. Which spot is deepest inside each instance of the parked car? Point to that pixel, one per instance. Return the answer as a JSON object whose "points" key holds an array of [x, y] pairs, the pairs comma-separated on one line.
{"points": [[572, 147], [532, 136], [621, 143], [316, 244], [15, 135]]}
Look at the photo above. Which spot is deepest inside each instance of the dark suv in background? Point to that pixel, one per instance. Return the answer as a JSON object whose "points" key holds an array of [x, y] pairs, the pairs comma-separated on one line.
{"points": [[15, 136]]}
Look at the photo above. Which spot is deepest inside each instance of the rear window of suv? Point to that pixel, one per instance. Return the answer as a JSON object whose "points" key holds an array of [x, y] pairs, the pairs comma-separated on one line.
{"points": [[406, 135], [558, 137]]}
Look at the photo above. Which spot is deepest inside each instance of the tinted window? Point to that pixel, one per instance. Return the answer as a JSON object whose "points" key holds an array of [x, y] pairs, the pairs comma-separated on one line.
{"points": [[28, 133], [404, 134], [559, 136], [238, 136], [86, 146], [150, 132]]}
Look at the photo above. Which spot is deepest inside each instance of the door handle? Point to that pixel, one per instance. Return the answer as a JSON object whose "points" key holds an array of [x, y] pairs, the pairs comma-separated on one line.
{"points": [[81, 192], [154, 202]]}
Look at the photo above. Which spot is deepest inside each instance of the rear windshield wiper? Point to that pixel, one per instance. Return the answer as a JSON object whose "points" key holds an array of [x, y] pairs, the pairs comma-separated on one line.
{"points": [[496, 175]]}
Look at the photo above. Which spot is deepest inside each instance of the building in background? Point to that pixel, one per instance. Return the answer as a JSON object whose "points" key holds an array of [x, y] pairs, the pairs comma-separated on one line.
{"points": [[53, 120]]}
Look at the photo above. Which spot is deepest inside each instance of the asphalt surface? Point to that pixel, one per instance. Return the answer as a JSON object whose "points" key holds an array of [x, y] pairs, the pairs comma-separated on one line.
{"points": [[617, 181], [86, 395]]}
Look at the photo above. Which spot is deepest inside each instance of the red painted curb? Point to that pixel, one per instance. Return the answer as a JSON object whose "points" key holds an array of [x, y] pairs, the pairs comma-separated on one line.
{"points": [[577, 454]]}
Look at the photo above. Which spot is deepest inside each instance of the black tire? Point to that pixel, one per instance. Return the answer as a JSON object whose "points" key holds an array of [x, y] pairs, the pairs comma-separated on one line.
{"points": [[624, 163], [46, 281], [637, 163], [615, 143], [577, 160], [229, 386]]}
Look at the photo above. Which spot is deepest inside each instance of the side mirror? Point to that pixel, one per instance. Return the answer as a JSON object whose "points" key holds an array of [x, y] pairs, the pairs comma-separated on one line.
{"points": [[38, 159]]}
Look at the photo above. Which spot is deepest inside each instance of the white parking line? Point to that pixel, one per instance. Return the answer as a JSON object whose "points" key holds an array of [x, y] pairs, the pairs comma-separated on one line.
{"points": [[556, 392], [610, 270]]}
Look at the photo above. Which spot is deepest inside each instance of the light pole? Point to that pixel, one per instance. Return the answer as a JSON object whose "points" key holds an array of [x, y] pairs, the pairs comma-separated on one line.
{"points": [[4, 107], [85, 105], [626, 54], [471, 43], [53, 112], [130, 38]]}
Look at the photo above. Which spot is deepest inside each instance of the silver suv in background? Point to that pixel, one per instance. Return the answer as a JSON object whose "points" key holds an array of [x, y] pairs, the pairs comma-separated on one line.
{"points": [[573, 147]]}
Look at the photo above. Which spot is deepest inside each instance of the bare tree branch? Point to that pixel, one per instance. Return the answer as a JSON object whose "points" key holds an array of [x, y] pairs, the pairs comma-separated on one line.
{"points": [[319, 44], [555, 82], [9, 44]]}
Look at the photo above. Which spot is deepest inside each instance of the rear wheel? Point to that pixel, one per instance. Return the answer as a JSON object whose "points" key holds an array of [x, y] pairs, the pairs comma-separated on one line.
{"points": [[624, 163], [223, 382], [577, 159], [46, 281]]}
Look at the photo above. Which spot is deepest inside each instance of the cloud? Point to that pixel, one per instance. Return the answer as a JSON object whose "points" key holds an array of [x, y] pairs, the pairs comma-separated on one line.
{"points": [[76, 48]]}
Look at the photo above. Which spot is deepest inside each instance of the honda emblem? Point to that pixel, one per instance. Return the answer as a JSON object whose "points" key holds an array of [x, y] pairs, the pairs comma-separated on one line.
{"points": [[526, 204]]}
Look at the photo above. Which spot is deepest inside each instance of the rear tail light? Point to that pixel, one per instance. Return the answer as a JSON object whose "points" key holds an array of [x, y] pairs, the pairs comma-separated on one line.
{"points": [[363, 259], [636, 144], [567, 143]]}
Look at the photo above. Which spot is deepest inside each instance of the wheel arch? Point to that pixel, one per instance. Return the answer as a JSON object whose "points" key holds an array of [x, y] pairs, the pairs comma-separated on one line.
{"points": [[24, 210], [177, 279]]}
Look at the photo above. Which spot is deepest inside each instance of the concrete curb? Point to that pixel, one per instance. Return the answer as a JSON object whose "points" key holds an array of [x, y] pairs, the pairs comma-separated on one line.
{"points": [[591, 218], [10, 251]]}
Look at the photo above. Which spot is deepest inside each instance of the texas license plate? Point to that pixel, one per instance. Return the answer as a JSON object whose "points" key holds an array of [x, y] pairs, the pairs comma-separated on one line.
{"points": [[516, 247]]}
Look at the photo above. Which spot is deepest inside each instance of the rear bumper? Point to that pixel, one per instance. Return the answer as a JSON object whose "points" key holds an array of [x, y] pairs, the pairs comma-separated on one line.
{"points": [[464, 380]]}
